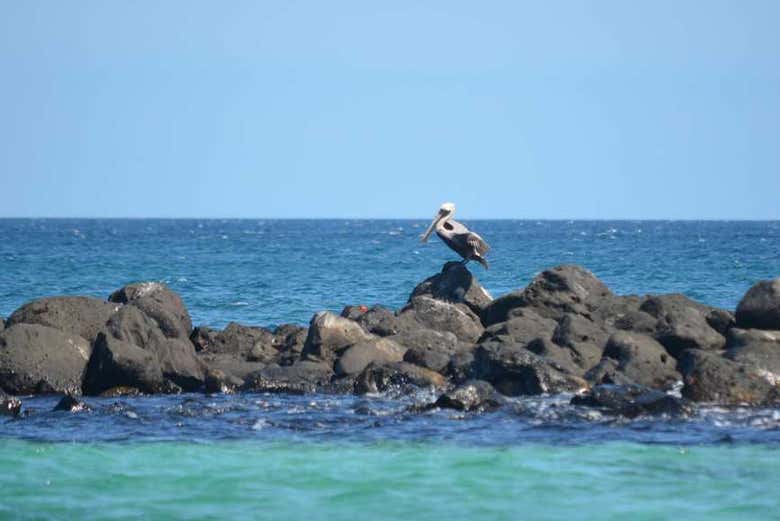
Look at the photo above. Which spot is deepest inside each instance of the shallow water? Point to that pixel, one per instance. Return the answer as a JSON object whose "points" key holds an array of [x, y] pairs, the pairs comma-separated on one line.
{"points": [[283, 480], [377, 457]]}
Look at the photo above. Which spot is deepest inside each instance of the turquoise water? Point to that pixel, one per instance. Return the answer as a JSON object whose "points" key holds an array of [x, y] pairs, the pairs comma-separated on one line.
{"points": [[376, 457], [256, 480]]}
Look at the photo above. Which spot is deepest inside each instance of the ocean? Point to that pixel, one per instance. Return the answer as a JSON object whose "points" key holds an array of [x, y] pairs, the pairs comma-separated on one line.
{"points": [[340, 457]]}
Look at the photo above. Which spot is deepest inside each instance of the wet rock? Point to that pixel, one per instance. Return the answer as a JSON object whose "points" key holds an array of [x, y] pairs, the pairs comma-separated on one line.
{"points": [[460, 367], [357, 357], [501, 308], [70, 404], [476, 395], [760, 307], [455, 284], [82, 316], [9, 406], [561, 358], [607, 371], [524, 326], [115, 363], [2, 324], [230, 365], [300, 378], [176, 355], [513, 371], [632, 401], [757, 347], [428, 348], [251, 343], [585, 338], [39, 359], [397, 375], [290, 337], [642, 360], [161, 304], [219, 382], [378, 320], [119, 391], [330, 334], [444, 316], [710, 377], [682, 324]]}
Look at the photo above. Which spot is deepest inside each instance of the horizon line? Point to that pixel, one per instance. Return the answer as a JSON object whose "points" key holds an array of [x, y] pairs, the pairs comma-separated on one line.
{"points": [[548, 219]]}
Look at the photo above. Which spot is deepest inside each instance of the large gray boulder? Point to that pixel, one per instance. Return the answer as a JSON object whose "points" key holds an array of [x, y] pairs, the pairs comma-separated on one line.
{"points": [[586, 339], [230, 365], [642, 360], [476, 395], [631, 401], [444, 316], [682, 324], [455, 284], [300, 378], [398, 376], [428, 348], [160, 303], [330, 334], [115, 363], [247, 342], [513, 370], [552, 294], [40, 359], [82, 316], [523, 327], [760, 307], [757, 347], [176, 355], [710, 377], [357, 357]]}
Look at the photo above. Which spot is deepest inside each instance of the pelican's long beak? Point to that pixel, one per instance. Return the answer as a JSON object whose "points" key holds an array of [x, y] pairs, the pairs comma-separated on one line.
{"points": [[429, 231]]}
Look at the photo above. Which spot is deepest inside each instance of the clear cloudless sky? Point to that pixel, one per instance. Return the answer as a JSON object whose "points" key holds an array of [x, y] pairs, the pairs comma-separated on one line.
{"points": [[561, 109]]}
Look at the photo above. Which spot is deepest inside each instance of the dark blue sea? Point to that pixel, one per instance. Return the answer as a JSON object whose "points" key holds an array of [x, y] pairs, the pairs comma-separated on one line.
{"points": [[340, 457]]}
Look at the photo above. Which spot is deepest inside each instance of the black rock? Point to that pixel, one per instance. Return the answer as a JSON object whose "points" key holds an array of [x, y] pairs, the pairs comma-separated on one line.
{"points": [[760, 307], [586, 339], [37, 359], [161, 304], [329, 335], [643, 360], [709, 377], [9, 406], [255, 344], [522, 327], [81, 316], [757, 347], [476, 395], [632, 401], [70, 404], [357, 357], [396, 376], [300, 378], [455, 284], [219, 382], [176, 355], [115, 363], [428, 348], [682, 324], [513, 371], [444, 316]]}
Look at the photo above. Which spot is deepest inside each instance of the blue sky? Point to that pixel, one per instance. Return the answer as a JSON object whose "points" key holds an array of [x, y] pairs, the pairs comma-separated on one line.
{"points": [[602, 109]]}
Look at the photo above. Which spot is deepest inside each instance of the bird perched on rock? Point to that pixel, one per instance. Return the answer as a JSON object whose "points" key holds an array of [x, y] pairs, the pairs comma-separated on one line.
{"points": [[460, 239]]}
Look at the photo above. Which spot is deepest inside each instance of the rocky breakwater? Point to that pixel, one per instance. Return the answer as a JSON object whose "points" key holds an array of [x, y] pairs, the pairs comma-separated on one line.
{"points": [[566, 332]]}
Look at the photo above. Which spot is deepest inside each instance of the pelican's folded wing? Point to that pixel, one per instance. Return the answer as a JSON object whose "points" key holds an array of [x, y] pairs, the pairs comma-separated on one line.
{"points": [[477, 243]]}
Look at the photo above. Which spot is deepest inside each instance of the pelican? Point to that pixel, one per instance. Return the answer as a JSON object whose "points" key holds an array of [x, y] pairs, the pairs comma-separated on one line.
{"points": [[460, 239]]}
